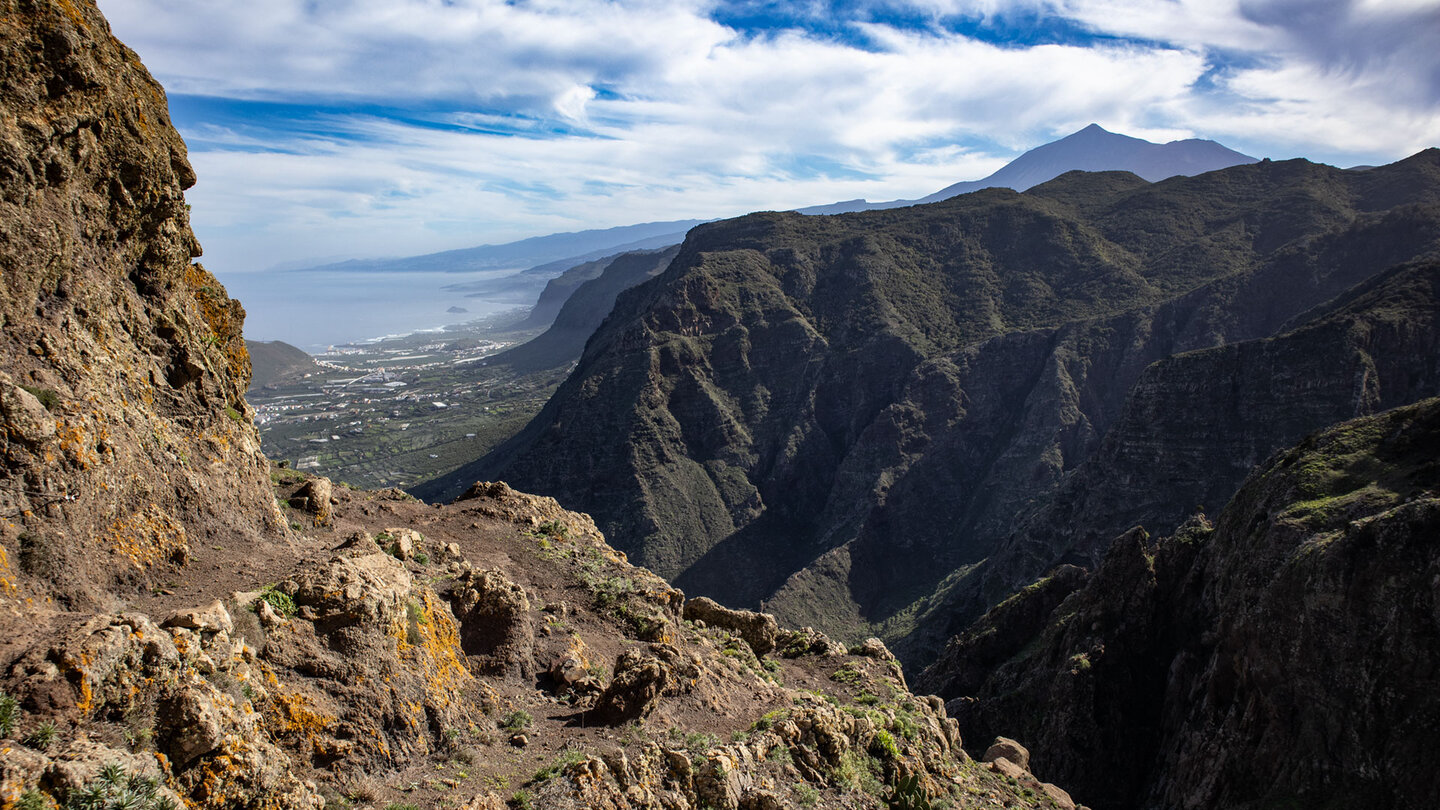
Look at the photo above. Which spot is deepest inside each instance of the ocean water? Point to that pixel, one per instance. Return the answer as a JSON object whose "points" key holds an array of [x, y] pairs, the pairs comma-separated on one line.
{"points": [[316, 309]]}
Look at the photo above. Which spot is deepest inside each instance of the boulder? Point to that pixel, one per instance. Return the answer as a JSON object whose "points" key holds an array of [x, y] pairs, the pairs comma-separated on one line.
{"points": [[759, 630], [634, 690], [1006, 748], [190, 725], [212, 618], [315, 497], [495, 623]]}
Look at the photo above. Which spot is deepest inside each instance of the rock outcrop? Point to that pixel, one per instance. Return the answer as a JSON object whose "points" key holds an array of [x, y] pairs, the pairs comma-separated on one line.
{"points": [[1283, 655]]}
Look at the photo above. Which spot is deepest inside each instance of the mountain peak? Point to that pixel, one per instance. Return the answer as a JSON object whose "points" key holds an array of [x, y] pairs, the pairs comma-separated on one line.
{"points": [[1096, 149]]}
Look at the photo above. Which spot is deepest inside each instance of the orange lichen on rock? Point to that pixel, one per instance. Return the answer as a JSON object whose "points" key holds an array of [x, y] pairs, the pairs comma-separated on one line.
{"points": [[429, 641], [148, 537], [294, 715], [224, 316]]}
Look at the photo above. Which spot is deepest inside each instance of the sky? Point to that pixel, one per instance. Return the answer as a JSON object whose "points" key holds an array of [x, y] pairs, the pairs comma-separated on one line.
{"points": [[331, 129]]}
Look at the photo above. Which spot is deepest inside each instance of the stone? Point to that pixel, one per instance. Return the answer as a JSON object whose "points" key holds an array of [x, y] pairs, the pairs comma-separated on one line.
{"points": [[495, 623], [190, 725], [759, 630], [22, 415], [1058, 795], [213, 618], [1009, 749], [315, 497], [633, 691], [401, 543]]}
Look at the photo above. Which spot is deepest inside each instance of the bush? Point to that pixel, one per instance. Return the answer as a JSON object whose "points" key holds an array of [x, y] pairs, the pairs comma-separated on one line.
{"points": [[48, 398], [9, 714], [516, 720], [279, 600], [42, 736], [113, 790]]}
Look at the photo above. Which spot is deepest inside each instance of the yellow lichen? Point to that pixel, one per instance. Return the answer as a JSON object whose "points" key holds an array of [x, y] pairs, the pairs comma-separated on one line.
{"points": [[148, 537]]}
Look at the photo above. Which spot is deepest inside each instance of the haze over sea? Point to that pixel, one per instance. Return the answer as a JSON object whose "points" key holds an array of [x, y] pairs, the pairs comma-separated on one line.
{"points": [[315, 309]]}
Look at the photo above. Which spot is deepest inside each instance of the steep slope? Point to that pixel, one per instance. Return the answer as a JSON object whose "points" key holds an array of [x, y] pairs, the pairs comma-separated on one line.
{"points": [[1195, 424], [126, 441], [1283, 657], [583, 309], [833, 414]]}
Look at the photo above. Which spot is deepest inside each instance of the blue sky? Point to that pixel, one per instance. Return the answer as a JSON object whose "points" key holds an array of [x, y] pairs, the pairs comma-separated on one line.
{"points": [[358, 128]]}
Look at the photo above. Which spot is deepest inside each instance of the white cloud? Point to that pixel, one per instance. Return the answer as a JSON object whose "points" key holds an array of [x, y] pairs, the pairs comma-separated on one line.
{"points": [[631, 110]]}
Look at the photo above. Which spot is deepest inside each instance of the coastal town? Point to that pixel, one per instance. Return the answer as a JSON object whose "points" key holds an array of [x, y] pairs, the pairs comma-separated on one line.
{"points": [[397, 411]]}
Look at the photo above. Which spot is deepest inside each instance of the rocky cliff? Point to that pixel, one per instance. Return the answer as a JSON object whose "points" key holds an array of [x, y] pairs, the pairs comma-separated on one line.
{"points": [[1282, 656], [182, 625], [127, 443], [841, 417]]}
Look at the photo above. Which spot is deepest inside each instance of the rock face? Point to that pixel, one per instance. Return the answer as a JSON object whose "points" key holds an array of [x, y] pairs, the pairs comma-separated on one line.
{"points": [[841, 417], [1284, 656], [142, 442]]}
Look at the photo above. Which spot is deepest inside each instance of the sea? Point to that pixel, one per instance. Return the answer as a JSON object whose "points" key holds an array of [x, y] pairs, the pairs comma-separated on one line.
{"points": [[317, 309]]}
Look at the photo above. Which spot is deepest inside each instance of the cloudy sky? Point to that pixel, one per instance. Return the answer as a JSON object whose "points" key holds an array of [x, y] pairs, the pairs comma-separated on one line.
{"points": [[329, 129]]}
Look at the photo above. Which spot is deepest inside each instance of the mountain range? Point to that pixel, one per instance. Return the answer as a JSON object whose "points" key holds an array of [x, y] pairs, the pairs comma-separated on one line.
{"points": [[550, 257], [853, 419]]}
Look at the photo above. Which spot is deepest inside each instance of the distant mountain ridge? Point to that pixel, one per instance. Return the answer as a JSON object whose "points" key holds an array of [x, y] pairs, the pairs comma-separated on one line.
{"points": [[1092, 149], [576, 246]]}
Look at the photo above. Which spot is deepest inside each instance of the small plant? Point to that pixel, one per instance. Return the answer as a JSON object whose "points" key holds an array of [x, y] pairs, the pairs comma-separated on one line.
{"points": [[807, 794], [847, 674], [234, 415], [48, 398], [399, 806], [885, 742], [558, 767], [9, 714], [908, 794], [553, 528], [421, 558], [113, 790], [521, 800], [42, 736], [279, 600], [516, 720]]}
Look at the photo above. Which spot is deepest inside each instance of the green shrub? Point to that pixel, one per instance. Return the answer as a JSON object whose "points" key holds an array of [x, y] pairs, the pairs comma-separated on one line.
{"points": [[279, 600], [48, 398], [885, 742], [9, 714], [558, 767], [516, 720], [42, 736], [553, 528], [113, 790]]}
